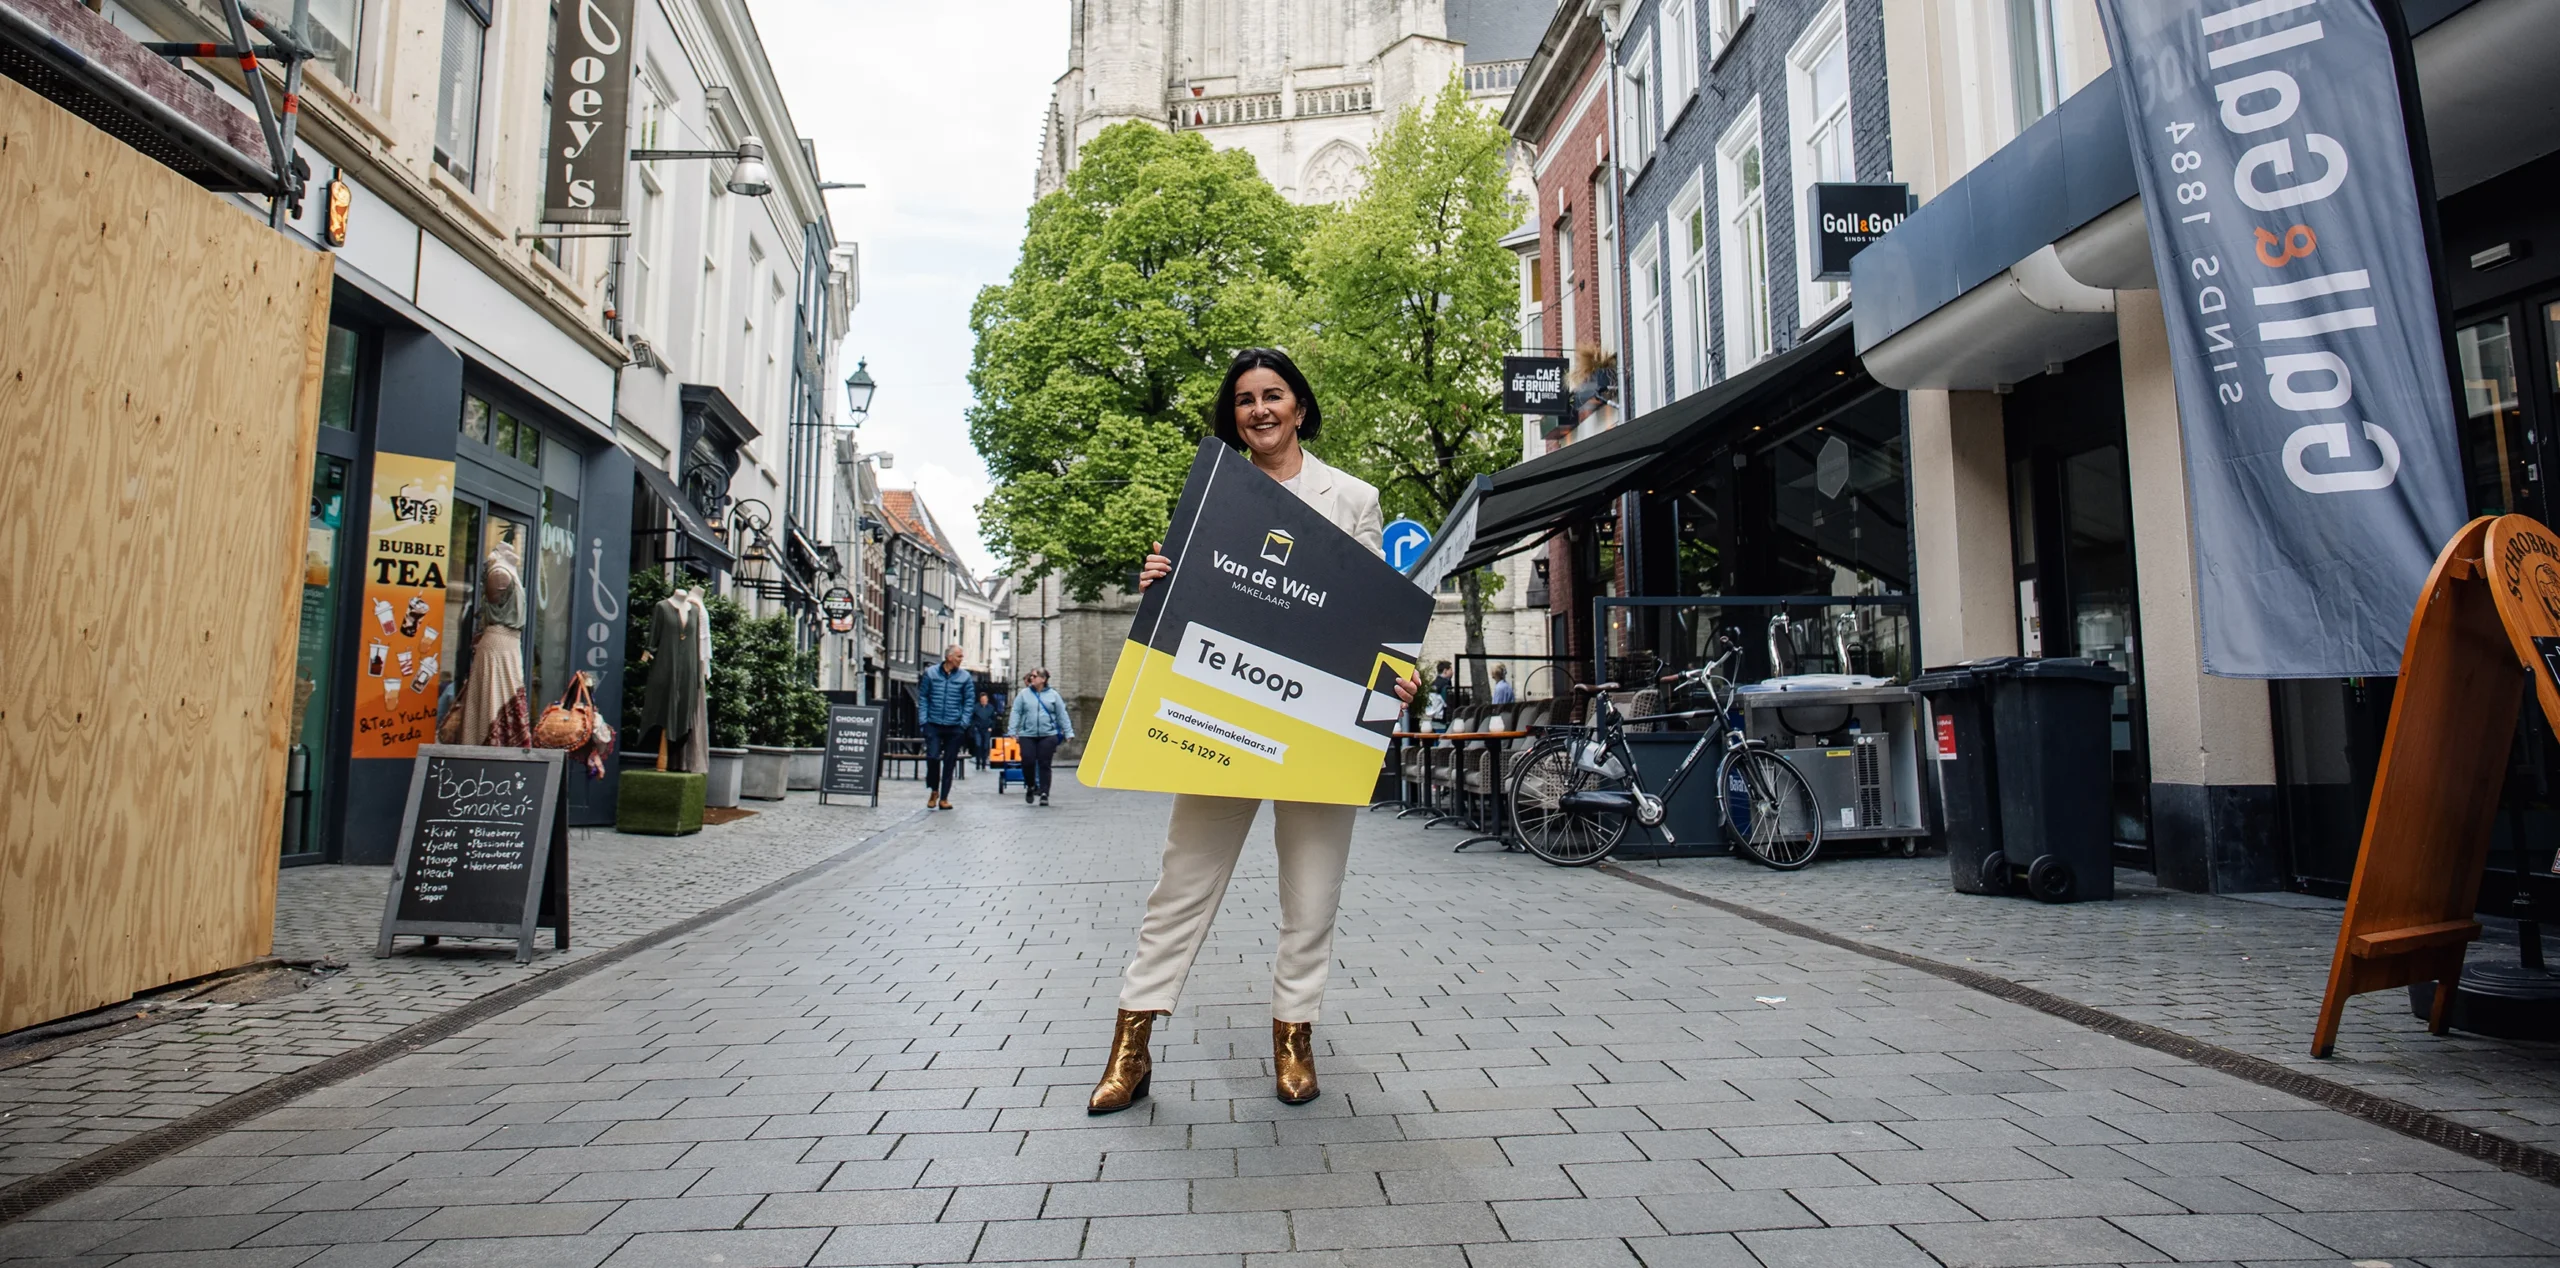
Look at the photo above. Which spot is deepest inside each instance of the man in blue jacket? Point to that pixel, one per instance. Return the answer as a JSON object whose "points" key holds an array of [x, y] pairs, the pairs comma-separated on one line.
{"points": [[948, 698]]}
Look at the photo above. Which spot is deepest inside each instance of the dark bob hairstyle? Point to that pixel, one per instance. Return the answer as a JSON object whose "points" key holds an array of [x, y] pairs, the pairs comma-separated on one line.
{"points": [[1222, 411]]}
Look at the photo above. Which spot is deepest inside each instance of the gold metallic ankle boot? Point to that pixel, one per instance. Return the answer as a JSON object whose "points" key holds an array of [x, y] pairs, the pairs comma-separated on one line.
{"points": [[1293, 1056], [1125, 1076]]}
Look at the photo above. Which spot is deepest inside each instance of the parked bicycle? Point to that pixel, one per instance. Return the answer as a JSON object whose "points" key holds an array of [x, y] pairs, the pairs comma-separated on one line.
{"points": [[1573, 793]]}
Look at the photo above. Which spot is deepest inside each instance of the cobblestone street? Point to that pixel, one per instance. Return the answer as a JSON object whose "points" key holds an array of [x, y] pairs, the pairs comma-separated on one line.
{"points": [[886, 1064]]}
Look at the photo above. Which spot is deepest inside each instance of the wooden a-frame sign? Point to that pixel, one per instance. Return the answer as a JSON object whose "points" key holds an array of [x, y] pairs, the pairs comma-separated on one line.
{"points": [[2488, 620]]}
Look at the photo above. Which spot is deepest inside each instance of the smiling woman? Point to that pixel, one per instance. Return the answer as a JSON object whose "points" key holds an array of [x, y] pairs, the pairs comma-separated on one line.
{"points": [[1264, 408]]}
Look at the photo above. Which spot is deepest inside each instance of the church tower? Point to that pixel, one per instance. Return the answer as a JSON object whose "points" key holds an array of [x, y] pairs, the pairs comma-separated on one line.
{"points": [[1302, 85]]}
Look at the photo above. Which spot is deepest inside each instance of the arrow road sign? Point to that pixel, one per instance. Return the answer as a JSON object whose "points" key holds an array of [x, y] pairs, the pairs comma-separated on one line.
{"points": [[1406, 542]]}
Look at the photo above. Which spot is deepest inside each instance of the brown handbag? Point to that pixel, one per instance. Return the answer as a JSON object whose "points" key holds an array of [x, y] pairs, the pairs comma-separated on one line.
{"points": [[570, 724]]}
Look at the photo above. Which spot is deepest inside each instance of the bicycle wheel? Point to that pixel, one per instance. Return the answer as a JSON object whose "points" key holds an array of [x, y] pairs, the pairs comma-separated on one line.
{"points": [[1559, 834], [1769, 808]]}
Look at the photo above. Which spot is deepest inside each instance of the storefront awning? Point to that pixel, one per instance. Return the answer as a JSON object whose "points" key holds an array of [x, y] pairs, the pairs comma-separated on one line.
{"points": [[1536, 497], [707, 546]]}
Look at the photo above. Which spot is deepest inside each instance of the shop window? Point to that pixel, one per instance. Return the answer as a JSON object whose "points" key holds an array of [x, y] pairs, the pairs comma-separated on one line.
{"points": [[503, 432], [315, 685], [1818, 112], [337, 31], [2495, 450], [338, 379], [553, 594], [1745, 245], [466, 39]]}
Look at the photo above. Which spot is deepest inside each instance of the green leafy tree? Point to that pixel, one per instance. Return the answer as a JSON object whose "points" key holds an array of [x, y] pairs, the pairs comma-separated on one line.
{"points": [[1411, 305], [1096, 361]]}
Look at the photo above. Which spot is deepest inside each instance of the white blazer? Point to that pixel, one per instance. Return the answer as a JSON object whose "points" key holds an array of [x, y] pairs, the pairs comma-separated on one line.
{"points": [[1349, 501]]}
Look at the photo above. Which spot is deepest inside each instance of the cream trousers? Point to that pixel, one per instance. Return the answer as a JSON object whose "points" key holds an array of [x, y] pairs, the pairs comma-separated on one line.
{"points": [[1200, 852]]}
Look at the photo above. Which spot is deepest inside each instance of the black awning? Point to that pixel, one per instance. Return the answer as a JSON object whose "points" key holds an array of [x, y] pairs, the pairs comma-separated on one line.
{"points": [[706, 544], [1574, 482]]}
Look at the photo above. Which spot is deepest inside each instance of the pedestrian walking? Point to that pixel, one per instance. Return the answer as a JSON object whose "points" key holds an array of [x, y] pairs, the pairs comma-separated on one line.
{"points": [[947, 693], [982, 728], [1040, 721], [1264, 409], [1502, 693]]}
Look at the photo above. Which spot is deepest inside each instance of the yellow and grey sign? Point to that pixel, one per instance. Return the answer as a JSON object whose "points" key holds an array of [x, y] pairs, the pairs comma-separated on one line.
{"points": [[1265, 665]]}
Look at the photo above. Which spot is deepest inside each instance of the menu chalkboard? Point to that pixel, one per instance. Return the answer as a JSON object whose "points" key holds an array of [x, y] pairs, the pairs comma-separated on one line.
{"points": [[484, 848], [853, 753]]}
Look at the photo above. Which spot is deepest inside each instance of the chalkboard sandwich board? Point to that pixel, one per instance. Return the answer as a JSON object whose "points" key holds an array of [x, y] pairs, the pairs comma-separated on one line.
{"points": [[484, 848], [853, 753]]}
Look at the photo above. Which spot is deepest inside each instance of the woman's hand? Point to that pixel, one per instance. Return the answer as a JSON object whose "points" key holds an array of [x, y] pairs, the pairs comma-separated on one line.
{"points": [[1155, 569], [1407, 687]]}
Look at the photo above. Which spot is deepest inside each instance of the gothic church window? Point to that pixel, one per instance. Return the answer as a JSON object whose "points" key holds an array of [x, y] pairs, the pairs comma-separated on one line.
{"points": [[1334, 174]]}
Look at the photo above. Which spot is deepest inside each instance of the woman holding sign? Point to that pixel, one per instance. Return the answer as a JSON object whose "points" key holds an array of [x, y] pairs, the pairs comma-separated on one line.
{"points": [[1264, 410]]}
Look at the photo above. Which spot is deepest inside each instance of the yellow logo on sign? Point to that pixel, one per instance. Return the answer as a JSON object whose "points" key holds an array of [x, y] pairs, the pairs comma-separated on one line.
{"points": [[1276, 545]]}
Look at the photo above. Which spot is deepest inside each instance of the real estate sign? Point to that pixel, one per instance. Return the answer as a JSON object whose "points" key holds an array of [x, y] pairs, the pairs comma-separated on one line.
{"points": [[1265, 665]]}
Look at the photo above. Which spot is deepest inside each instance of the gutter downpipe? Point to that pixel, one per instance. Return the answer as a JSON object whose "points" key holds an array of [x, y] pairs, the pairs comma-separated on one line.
{"points": [[1631, 507]]}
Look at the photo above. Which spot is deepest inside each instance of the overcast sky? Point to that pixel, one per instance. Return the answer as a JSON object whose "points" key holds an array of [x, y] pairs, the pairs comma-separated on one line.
{"points": [[937, 106]]}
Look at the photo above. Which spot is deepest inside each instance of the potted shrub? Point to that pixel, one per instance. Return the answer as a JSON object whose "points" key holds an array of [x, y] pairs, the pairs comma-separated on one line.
{"points": [[806, 710], [768, 660], [729, 700]]}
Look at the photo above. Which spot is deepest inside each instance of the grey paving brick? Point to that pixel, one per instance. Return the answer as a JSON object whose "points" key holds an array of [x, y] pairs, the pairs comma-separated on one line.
{"points": [[2061, 1199], [1419, 1224], [1822, 1247], [1728, 1212], [679, 1215], [1601, 1253], [1559, 1219], [1235, 1233], [748, 1248], [2193, 1237], [1883, 1204], [1283, 1193], [2031, 1243], [2434, 1234], [1021, 1241], [329, 1228], [864, 1206]]}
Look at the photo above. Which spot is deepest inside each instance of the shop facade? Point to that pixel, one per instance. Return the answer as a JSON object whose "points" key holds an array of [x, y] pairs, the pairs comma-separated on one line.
{"points": [[2018, 310], [434, 453]]}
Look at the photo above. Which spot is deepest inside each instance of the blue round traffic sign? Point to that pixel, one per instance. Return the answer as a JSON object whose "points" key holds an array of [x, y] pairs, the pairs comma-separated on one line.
{"points": [[1406, 543]]}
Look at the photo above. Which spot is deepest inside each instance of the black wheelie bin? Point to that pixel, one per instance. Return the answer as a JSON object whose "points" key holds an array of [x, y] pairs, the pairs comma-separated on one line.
{"points": [[2025, 761]]}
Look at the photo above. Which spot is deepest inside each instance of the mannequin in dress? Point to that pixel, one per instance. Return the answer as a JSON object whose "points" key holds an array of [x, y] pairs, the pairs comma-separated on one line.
{"points": [[679, 677], [493, 702]]}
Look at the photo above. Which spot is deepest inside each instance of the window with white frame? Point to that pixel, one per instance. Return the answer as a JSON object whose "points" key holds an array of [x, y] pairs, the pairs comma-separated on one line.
{"points": [[1565, 280], [1639, 123], [1689, 304], [1744, 242], [1679, 54], [337, 34], [1605, 218], [1533, 302], [711, 317], [2034, 81], [1818, 121], [646, 304], [1644, 376], [466, 41], [1725, 19]]}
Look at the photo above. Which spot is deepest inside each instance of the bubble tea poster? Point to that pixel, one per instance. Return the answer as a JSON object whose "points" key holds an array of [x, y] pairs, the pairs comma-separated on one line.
{"points": [[400, 634]]}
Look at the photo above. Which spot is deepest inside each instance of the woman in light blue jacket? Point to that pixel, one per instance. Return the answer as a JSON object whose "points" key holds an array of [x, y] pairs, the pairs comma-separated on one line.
{"points": [[1040, 721]]}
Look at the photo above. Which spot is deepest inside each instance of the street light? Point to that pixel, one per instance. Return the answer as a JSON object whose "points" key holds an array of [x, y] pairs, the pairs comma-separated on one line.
{"points": [[858, 388], [751, 177]]}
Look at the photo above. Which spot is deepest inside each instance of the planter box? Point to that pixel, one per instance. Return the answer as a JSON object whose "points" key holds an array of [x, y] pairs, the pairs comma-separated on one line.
{"points": [[659, 803], [728, 765], [768, 775], [807, 764]]}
